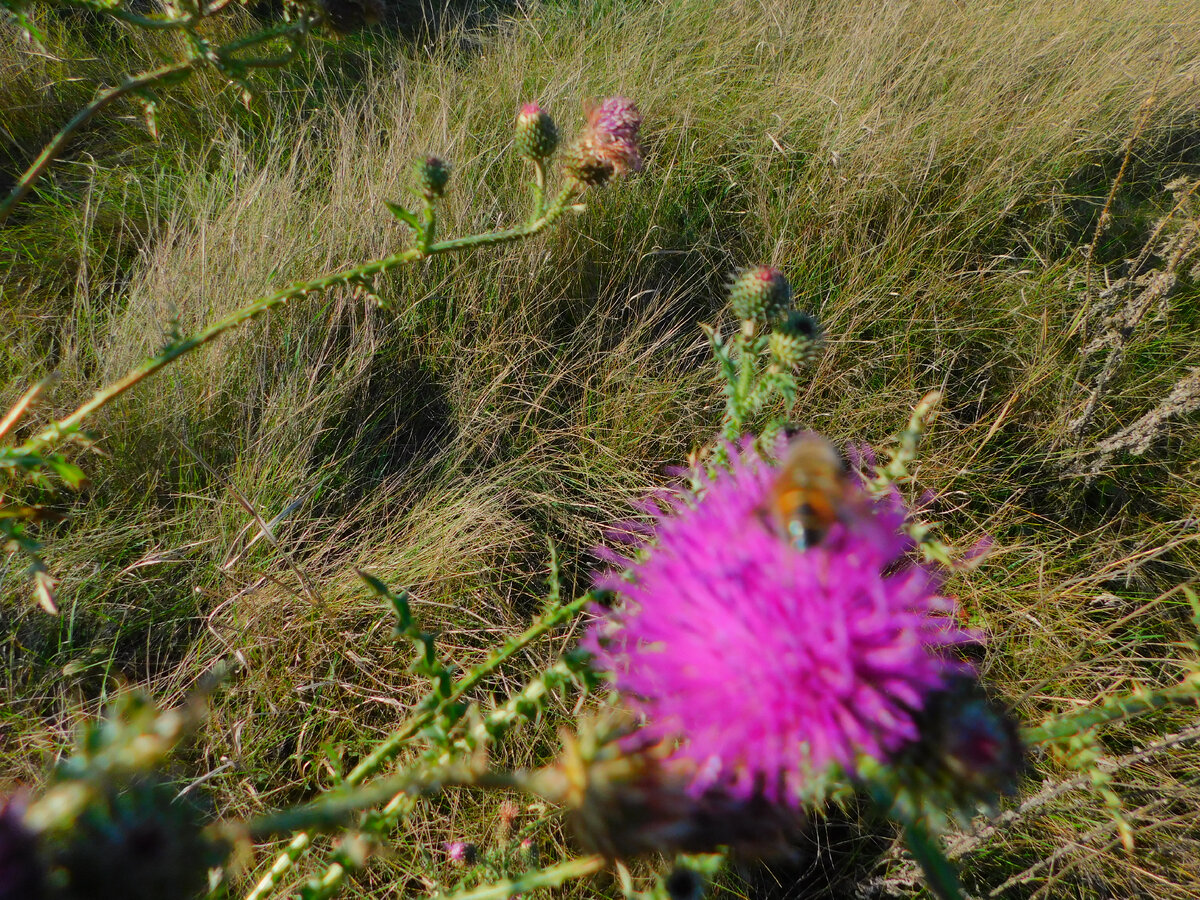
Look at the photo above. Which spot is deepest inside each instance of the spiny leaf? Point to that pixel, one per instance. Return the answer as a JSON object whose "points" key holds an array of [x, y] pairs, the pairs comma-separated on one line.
{"points": [[405, 215]]}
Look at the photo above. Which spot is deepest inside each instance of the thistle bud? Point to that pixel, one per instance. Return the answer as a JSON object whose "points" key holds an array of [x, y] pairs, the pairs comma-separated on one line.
{"points": [[968, 755], [432, 174], [760, 295], [623, 802], [980, 745], [135, 841], [537, 136], [796, 341]]}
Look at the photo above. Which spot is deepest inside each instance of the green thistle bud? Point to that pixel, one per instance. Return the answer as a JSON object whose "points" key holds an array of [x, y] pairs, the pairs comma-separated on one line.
{"points": [[760, 295], [135, 841], [432, 174], [537, 135], [796, 341]]}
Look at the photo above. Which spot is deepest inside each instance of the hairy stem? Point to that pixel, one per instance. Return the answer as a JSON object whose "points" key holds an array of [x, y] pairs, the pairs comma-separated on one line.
{"points": [[1126, 706], [57, 431], [550, 877], [52, 150]]}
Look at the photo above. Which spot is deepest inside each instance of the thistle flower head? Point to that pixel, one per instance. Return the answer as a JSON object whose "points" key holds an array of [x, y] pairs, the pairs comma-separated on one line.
{"points": [[625, 799], [770, 665], [460, 853], [796, 341], [760, 294], [537, 135], [608, 145]]}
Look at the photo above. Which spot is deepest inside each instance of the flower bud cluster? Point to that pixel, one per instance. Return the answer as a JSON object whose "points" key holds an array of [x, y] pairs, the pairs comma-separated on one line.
{"points": [[761, 297]]}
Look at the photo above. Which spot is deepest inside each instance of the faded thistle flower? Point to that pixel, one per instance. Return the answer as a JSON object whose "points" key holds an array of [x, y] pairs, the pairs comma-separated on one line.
{"points": [[537, 136], [769, 665], [21, 873], [506, 816], [608, 145]]}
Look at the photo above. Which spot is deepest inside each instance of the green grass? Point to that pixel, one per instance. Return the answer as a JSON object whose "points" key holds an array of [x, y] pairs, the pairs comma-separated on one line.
{"points": [[928, 176]]}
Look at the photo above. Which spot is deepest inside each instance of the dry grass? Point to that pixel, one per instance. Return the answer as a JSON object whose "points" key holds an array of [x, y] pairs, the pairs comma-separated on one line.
{"points": [[925, 172]]}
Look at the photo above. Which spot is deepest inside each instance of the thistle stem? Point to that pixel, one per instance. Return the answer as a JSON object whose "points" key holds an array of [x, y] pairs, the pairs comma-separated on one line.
{"points": [[550, 877], [59, 430], [133, 84], [1126, 706], [333, 811], [387, 750], [539, 190], [51, 151]]}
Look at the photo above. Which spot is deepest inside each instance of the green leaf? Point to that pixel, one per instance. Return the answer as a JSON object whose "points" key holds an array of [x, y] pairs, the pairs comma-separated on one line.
{"points": [[405, 215], [70, 473], [398, 602]]}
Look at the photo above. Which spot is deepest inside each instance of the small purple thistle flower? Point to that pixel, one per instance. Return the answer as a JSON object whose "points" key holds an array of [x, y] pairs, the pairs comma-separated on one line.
{"points": [[617, 119], [769, 664], [460, 853]]}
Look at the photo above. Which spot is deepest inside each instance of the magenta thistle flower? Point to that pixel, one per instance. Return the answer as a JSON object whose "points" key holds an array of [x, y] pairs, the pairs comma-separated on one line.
{"points": [[770, 665], [460, 852]]}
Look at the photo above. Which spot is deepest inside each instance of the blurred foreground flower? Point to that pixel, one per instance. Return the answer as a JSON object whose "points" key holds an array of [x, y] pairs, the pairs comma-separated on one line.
{"points": [[608, 146], [21, 873], [773, 666]]}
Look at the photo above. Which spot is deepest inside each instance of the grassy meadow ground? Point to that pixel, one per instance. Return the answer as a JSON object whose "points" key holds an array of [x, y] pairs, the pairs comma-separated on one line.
{"points": [[929, 174]]}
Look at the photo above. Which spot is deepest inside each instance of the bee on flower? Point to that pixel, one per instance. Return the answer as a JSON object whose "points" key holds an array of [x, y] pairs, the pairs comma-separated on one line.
{"points": [[774, 629]]}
